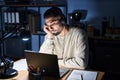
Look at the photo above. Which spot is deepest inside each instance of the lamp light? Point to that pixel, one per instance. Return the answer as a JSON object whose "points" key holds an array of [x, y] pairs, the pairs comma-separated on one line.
{"points": [[25, 34]]}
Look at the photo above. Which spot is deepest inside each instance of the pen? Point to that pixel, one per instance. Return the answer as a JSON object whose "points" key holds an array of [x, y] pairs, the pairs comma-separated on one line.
{"points": [[81, 77], [38, 70]]}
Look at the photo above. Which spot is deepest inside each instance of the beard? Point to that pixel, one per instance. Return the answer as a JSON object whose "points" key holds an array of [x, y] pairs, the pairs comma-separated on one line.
{"points": [[57, 33]]}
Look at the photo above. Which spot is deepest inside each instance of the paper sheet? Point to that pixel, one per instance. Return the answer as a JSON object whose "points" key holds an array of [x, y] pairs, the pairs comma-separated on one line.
{"points": [[82, 75]]}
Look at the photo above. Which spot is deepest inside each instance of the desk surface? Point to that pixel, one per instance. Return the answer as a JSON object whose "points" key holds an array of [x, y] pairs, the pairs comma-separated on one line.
{"points": [[21, 66]]}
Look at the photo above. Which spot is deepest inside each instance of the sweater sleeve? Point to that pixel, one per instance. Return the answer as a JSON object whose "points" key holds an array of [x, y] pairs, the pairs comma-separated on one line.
{"points": [[47, 46]]}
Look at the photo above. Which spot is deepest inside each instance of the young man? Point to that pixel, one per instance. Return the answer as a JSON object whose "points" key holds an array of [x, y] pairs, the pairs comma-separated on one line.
{"points": [[68, 43]]}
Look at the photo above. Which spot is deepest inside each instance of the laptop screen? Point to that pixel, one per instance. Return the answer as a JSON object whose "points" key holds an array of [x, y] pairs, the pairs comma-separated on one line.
{"points": [[40, 61]]}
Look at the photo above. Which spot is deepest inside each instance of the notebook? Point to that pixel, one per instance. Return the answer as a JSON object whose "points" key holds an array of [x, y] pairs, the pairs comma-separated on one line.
{"points": [[48, 63]]}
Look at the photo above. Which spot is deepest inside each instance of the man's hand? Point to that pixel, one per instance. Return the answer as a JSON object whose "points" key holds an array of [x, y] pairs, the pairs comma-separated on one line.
{"points": [[50, 35]]}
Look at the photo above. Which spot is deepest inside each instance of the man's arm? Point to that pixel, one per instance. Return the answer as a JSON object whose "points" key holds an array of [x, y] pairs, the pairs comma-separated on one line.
{"points": [[47, 46]]}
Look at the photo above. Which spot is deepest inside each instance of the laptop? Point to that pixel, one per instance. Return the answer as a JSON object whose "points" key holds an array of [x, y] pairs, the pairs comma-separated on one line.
{"points": [[47, 63]]}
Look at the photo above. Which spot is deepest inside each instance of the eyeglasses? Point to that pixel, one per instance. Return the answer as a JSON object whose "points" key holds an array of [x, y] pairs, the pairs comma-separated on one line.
{"points": [[52, 22]]}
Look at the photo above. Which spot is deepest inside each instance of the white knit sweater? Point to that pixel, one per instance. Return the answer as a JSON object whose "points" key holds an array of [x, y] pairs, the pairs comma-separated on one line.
{"points": [[72, 49]]}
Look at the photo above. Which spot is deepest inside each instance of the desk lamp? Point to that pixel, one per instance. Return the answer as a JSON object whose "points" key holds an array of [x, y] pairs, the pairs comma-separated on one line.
{"points": [[6, 68], [6, 64]]}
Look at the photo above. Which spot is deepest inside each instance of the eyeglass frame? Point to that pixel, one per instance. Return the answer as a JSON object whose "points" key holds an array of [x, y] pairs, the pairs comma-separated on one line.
{"points": [[53, 22]]}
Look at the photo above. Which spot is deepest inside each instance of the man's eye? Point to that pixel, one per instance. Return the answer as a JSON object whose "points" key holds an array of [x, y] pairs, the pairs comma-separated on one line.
{"points": [[52, 22]]}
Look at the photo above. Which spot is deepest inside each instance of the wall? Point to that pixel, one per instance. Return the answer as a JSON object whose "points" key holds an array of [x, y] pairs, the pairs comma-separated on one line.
{"points": [[97, 9]]}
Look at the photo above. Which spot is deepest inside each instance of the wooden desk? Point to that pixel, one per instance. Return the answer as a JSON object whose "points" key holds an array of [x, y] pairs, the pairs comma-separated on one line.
{"points": [[21, 66]]}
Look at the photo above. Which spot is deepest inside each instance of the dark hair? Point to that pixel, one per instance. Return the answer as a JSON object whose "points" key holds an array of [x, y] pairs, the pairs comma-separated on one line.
{"points": [[54, 12]]}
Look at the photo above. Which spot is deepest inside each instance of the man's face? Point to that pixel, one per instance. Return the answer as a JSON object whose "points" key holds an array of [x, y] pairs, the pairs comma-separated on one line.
{"points": [[54, 25]]}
